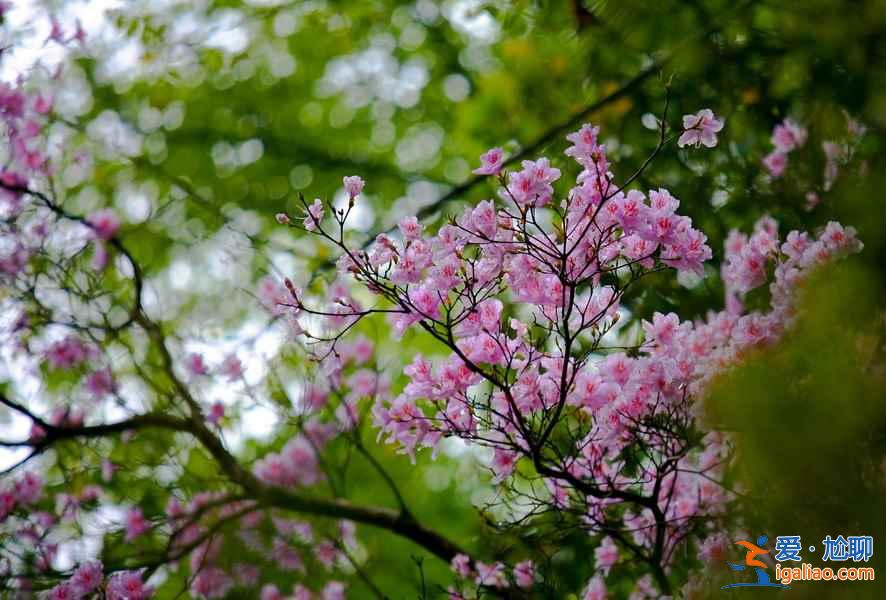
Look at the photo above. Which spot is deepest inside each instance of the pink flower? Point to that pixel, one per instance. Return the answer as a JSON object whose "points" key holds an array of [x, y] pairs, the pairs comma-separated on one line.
{"points": [[700, 129], [127, 586], [104, 223], [714, 549], [136, 524], [788, 136], [247, 575], [232, 367], [195, 365], [7, 504], [484, 219], [584, 144], [662, 329], [36, 433], [56, 33], [353, 185], [100, 383], [461, 565], [108, 469], [334, 590], [300, 592], [503, 463], [271, 592], [87, 577], [776, 162], [326, 553], [62, 591], [491, 162], [834, 154], [69, 353], [606, 555], [595, 590], [532, 185], [174, 508], [216, 412], [524, 574], [491, 575], [410, 228], [66, 416], [274, 296], [43, 104], [812, 200], [314, 216], [28, 489], [286, 557], [79, 32], [211, 582], [426, 301]]}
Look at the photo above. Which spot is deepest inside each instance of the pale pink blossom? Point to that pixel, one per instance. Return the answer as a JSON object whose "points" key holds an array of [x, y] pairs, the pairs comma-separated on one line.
{"points": [[104, 223], [195, 365], [606, 555], [788, 136], [491, 575], [127, 585], [333, 590], [353, 185], [776, 162], [100, 383], [87, 577], [216, 413], [491, 162], [314, 216], [410, 228], [700, 129], [461, 565], [136, 524], [524, 574]]}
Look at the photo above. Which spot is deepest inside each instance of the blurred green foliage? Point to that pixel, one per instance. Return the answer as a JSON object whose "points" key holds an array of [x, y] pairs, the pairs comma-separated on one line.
{"points": [[809, 423]]}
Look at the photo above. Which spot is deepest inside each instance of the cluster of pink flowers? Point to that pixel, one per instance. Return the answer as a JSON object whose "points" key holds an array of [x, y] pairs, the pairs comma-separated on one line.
{"points": [[70, 352], [231, 367], [127, 585], [24, 116], [104, 223], [24, 492], [86, 579], [748, 260], [494, 575], [786, 137], [101, 383], [136, 524], [284, 547], [607, 230], [333, 590], [505, 386], [295, 464], [22, 121]]}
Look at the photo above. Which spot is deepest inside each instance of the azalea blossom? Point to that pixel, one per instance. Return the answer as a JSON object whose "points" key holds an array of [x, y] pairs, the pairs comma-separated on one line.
{"points": [[353, 185], [491, 162], [701, 129]]}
